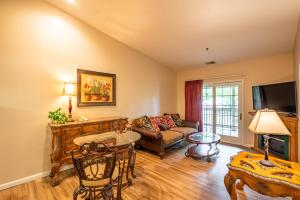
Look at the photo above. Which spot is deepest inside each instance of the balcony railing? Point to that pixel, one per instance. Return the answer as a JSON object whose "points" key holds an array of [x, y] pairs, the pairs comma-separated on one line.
{"points": [[227, 119]]}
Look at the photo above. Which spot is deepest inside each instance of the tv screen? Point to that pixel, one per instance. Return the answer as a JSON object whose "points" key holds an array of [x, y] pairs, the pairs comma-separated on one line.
{"points": [[280, 97]]}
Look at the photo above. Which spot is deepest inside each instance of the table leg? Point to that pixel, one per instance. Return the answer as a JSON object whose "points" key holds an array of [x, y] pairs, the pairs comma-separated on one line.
{"points": [[296, 196], [132, 165], [55, 174], [187, 151], [229, 182], [240, 185], [208, 156], [217, 149]]}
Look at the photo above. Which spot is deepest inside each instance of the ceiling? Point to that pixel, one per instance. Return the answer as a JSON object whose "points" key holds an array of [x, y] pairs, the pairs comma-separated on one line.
{"points": [[176, 33]]}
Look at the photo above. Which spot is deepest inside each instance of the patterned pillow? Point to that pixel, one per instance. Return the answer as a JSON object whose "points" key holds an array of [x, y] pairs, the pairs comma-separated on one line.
{"points": [[163, 127], [155, 121], [144, 122], [167, 120], [177, 120]]}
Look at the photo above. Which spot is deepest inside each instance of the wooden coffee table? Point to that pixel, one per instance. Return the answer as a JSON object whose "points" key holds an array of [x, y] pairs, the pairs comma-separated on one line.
{"points": [[196, 139]]}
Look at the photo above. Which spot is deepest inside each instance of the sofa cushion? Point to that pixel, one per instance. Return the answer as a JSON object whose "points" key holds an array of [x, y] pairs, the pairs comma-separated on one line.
{"points": [[167, 119], [144, 122], [184, 130], [176, 119], [171, 136], [155, 121]]}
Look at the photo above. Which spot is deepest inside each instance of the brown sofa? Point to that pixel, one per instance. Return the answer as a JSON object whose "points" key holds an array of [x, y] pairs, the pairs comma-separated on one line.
{"points": [[160, 141]]}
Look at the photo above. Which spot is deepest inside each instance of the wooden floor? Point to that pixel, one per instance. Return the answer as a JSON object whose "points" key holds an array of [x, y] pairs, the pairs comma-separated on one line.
{"points": [[175, 177]]}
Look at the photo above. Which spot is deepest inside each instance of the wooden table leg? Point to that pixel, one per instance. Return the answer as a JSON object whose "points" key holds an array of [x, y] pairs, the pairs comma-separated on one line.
{"points": [[229, 182], [296, 196], [55, 174], [240, 185]]}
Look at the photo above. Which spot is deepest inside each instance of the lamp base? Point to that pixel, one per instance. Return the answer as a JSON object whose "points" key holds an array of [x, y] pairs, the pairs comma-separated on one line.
{"points": [[70, 119], [267, 163]]}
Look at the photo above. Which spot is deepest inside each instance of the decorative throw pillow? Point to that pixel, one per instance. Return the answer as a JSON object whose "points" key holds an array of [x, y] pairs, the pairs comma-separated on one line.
{"points": [[177, 120], [167, 120], [144, 122], [155, 121], [163, 127]]}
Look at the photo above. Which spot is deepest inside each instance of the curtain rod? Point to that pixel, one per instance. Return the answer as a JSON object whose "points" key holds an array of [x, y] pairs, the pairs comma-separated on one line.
{"points": [[221, 77]]}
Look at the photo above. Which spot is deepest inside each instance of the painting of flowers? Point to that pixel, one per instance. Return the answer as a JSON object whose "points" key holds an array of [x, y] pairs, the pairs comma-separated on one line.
{"points": [[96, 88]]}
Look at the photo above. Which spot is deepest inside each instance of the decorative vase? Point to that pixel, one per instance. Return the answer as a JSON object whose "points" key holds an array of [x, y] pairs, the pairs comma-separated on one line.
{"points": [[87, 97], [105, 98], [96, 97]]}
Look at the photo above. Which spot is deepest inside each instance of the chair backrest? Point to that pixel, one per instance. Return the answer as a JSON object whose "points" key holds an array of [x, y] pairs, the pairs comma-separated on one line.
{"points": [[94, 162]]}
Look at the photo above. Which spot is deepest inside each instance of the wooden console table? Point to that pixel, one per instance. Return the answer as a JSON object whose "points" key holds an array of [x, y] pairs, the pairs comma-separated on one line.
{"points": [[63, 135], [283, 180]]}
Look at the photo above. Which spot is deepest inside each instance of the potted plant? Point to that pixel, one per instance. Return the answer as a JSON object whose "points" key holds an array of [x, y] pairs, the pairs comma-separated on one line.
{"points": [[105, 96], [87, 92], [96, 90], [57, 116], [106, 87]]}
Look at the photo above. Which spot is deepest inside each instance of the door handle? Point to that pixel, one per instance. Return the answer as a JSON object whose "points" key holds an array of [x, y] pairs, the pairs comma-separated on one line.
{"points": [[241, 116]]}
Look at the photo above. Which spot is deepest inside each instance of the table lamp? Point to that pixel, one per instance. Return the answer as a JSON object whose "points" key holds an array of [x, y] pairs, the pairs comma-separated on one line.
{"points": [[70, 90], [268, 122]]}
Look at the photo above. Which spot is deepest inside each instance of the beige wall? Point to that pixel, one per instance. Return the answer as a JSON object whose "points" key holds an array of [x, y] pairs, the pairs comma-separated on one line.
{"points": [[258, 71], [41, 47], [297, 71]]}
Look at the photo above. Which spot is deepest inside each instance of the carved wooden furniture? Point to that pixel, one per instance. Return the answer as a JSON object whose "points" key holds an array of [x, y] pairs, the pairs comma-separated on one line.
{"points": [[199, 138], [283, 180], [95, 164], [292, 125], [63, 135]]}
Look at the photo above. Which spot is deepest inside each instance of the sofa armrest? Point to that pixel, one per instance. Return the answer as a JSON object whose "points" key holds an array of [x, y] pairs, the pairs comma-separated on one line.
{"points": [[147, 133], [191, 124]]}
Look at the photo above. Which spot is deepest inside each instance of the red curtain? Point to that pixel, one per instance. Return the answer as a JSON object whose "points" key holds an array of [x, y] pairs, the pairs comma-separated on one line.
{"points": [[193, 101]]}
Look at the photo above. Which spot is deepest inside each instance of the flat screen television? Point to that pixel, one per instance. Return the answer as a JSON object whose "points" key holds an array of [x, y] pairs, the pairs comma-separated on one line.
{"points": [[280, 97]]}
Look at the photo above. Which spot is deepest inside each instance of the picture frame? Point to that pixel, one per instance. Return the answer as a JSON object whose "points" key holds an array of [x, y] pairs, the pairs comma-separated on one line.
{"points": [[95, 88]]}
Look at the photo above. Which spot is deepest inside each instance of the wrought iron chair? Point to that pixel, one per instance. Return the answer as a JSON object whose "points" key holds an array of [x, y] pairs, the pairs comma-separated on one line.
{"points": [[95, 164], [125, 158]]}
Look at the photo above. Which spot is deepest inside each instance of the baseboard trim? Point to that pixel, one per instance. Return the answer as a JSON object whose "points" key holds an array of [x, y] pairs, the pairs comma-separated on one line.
{"points": [[29, 178], [250, 146]]}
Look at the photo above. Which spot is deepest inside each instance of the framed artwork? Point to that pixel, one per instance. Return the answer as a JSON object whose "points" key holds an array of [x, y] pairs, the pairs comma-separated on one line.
{"points": [[95, 88]]}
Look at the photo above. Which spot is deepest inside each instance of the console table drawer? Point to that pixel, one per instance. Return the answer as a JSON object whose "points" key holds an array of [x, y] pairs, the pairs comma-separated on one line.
{"points": [[69, 133], [105, 126], [91, 128]]}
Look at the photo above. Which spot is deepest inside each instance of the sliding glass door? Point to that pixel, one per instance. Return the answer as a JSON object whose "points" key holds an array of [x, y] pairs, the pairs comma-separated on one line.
{"points": [[221, 110]]}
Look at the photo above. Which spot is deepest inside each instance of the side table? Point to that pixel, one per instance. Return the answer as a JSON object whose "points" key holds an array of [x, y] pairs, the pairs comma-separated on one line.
{"points": [[283, 180]]}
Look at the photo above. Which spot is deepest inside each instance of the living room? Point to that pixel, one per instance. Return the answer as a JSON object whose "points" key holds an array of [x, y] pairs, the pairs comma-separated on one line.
{"points": [[149, 50]]}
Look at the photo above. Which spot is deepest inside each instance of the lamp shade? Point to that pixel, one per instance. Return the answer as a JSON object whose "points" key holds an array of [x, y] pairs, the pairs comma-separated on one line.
{"points": [[268, 122], [70, 89]]}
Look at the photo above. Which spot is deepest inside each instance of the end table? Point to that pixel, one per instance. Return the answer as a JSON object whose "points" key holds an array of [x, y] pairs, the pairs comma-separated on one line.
{"points": [[282, 180]]}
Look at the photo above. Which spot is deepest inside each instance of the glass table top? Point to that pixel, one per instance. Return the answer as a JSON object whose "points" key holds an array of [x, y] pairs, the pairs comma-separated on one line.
{"points": [[126, 138], [203, 138]]}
